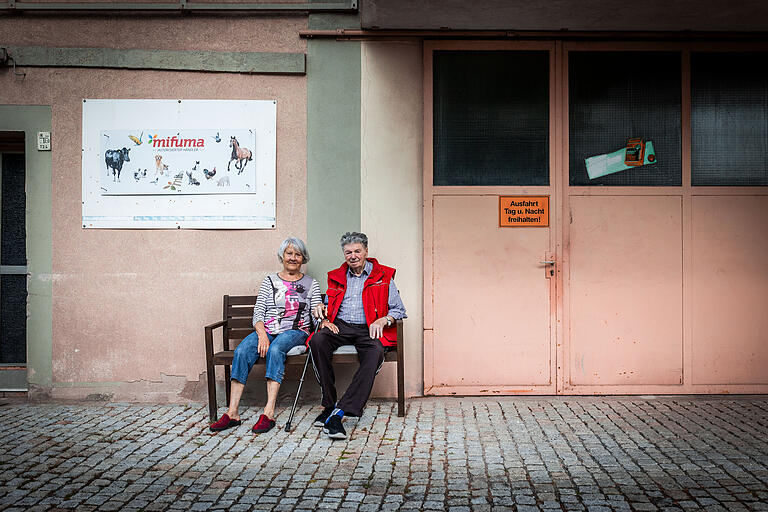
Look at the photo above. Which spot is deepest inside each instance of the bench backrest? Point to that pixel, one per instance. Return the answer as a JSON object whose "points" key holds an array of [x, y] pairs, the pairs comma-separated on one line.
{"points": [[238, 313]]}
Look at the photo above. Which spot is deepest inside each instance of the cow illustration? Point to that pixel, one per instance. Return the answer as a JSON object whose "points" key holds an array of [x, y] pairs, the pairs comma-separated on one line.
{"points": [[115, 158]]}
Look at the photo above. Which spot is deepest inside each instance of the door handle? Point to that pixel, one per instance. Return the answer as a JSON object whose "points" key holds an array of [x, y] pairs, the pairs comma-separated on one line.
{"points": [[549, 271], [550, 260]]}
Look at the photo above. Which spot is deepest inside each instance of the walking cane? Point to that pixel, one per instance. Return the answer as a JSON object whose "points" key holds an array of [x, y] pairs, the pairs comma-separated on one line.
{"points": [[301, 381]]}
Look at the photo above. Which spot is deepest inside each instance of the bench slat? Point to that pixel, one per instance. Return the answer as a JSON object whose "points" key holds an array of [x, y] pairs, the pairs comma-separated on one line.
{"points": [[240, 323], [239, 334], [240, 312], [239, 300], [226, 356]]}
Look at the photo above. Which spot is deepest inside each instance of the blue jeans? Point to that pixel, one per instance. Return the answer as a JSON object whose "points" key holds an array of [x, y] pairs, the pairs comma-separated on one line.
{"points": [[247, 353]]}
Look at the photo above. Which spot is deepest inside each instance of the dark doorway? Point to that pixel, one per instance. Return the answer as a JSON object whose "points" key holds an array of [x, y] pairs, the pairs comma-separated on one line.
{"points": [[13, 262]]}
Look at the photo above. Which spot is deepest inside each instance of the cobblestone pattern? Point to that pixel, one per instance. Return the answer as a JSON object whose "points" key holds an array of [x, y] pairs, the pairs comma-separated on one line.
{"points": [[457, 454]]}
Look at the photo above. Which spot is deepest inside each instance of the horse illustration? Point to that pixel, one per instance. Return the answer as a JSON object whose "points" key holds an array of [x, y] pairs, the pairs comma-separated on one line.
{"points": [[241, 155]]}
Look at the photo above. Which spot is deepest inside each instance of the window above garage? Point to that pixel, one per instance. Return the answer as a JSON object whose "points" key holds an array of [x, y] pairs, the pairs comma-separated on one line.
{"points": [[729, 118], [491, 118], [615, 96]]}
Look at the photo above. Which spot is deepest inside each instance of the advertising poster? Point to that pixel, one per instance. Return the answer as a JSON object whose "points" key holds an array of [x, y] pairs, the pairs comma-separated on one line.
{"points": [[178, 161], [150, 164]]}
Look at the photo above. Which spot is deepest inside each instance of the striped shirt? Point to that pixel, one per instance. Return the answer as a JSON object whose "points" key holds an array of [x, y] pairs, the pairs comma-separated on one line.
{"points": [[285, 305], [351, 309]]}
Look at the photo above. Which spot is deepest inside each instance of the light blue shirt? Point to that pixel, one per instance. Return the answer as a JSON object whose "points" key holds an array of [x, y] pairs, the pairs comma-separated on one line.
{"points": [[351, 309]]}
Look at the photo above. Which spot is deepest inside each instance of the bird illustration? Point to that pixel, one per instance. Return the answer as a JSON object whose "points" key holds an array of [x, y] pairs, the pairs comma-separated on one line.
{"points": [[209, 174], [136, 140], [154, 181], [217, 138]]}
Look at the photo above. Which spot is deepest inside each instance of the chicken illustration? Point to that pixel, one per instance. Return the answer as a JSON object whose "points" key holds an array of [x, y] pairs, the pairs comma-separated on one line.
{"points": [[209, 174]]}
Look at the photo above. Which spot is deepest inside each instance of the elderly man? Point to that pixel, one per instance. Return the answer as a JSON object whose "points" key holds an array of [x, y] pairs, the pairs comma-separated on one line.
{"points": [[363, 304]]}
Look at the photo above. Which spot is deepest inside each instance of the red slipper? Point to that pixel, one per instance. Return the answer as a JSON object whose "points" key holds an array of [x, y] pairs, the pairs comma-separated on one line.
{"points": [[263, 425], [224, 423]]}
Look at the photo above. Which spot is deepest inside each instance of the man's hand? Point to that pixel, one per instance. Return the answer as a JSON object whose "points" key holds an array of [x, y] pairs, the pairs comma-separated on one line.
{"points": [[376, 329], [330, 325], [319, 311], [263, 345]]}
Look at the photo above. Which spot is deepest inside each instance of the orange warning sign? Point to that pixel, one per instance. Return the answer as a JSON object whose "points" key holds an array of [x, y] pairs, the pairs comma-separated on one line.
{"points": [[523, 211]]}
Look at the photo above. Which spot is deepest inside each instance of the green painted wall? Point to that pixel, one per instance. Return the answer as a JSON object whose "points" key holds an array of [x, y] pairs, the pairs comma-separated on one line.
{"points": [[228, 62], [333, 143], [32, 119]]}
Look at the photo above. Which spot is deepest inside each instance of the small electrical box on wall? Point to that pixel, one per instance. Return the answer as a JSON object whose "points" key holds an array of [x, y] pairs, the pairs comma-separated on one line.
{"points": [[43, 141]]}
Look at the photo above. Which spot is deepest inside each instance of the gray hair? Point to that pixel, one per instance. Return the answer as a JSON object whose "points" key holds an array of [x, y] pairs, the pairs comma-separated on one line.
{"points": [[354, 238], [297, 244]]}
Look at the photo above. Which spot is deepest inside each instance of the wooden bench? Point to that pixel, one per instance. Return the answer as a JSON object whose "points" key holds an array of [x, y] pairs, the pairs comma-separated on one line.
{"points": [[236, 324]]}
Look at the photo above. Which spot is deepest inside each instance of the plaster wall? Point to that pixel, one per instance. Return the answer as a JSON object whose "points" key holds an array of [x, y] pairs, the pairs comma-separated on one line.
{"points": [[156, 32], [391, 177], [128, 306]]}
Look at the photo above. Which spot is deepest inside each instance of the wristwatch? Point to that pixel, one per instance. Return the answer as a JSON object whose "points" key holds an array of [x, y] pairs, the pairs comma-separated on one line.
{"points": [[389, 321]]}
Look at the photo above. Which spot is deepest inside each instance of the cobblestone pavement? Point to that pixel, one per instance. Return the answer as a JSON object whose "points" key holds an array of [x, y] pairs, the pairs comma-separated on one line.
{"points": [[460, 454]]}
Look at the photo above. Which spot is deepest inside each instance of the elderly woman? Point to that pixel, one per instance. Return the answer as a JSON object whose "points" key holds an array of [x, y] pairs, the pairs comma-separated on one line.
{"points": [[281, 321]]}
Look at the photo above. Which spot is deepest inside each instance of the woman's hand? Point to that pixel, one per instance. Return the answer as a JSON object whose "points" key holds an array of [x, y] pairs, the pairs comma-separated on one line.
{"points": [[263, 345], [330, 326], [319, 311], [376, 329]]}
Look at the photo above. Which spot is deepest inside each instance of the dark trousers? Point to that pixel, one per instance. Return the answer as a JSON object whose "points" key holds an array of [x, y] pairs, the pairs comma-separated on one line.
{"points": [[370, 353]]}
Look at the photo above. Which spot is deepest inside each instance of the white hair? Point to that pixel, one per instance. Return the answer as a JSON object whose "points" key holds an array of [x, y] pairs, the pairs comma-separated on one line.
{"points": [[297, 244], [354, 237]]}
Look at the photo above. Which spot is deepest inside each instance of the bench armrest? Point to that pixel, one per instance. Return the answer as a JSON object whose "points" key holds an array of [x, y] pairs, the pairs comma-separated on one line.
{"points": [[216, 325], [399, 327], [209, 335], [400, 369]]}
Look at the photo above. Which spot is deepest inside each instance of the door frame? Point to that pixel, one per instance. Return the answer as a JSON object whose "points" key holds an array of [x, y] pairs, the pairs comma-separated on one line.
{"points": [[553, 190], [32, 119]]}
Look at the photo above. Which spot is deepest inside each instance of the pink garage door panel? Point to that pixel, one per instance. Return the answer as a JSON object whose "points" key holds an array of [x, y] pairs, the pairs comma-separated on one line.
{"points": [[491, 297], [625, 290], [730, 290]]}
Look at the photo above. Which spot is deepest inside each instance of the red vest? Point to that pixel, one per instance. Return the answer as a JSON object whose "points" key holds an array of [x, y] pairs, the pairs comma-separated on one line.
{"points": [[375, 296]]}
